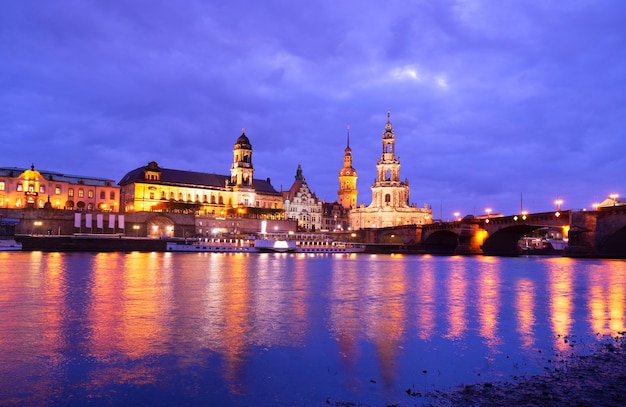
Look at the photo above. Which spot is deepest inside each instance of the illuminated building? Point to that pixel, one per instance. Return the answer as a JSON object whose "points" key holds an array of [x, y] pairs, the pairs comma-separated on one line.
{"points": [[157, 189], [29, 188], [390, 196], [347, 193], [302, 205]]}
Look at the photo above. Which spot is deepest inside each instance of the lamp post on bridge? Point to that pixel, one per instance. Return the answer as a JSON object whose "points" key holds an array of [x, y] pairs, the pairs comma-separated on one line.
{"points": [[558, 204], [614, 198], [488, 211]]}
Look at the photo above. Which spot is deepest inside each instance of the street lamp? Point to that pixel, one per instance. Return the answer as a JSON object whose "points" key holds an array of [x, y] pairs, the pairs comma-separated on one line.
{"points": [[558, 203], [37, 224], [136, 229], [614, 198], [456, 216], [488, 210]]}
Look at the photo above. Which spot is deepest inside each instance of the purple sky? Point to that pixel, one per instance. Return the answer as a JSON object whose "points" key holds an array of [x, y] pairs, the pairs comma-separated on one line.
{"points": [[489, 100]]}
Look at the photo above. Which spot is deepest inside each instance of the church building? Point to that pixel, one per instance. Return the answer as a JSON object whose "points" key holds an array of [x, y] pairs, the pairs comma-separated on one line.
{"points": [[390, 196]]}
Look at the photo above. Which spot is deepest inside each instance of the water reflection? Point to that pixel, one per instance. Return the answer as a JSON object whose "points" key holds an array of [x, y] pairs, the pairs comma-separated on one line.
{"points": [[254, 325]]}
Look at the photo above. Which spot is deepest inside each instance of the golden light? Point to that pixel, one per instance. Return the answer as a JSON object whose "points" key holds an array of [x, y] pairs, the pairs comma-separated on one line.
{"points": [[614, 198], [595, 206], [456, 215]]}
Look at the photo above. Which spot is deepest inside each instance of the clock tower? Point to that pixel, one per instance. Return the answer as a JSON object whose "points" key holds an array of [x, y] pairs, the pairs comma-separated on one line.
{"points": [[347, 193]]}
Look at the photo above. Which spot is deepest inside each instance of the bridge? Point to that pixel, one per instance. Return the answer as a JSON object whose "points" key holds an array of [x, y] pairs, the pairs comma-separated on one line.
{"points": [[598, 233]]}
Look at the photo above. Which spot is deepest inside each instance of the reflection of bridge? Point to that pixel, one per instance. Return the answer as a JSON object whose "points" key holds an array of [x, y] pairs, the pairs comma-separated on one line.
{"points": [[600, 233]]}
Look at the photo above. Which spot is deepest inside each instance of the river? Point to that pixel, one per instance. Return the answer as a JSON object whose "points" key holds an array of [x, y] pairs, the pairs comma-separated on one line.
{"points": [[286, 329]]}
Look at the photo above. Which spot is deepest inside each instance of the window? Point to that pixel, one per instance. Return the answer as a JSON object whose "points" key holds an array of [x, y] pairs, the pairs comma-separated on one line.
{"points": [[103, 195], [57, 190], [70, 192], [31, 188], [20, 187], [2, 186], [112, 195], [42, 189], [151, 195], [81, 193], [90, 193]]}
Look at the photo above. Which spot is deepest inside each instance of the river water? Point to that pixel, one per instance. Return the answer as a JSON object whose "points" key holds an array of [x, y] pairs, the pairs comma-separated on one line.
{"points": [[286, 329]]}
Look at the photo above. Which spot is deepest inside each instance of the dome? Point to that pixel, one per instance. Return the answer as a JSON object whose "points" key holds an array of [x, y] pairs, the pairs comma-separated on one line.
{"points": [[31, 174], [243, 140]]}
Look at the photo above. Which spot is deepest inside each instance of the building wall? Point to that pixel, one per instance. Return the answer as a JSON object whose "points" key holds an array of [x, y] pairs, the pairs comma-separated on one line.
{"points": [[30, 188]]}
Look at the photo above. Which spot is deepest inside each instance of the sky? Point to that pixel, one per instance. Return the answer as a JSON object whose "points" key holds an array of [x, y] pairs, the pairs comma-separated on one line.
{"points": [[508, 105]]}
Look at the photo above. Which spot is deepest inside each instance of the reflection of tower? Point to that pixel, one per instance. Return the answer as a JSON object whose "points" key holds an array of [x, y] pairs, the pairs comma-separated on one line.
{"points": [[242, 169], [347, 179]]}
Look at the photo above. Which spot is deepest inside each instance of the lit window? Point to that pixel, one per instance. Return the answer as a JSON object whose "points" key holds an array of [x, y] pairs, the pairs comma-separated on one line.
{"points": [[42, 189], [2, 186], [90, 193], [81, 193], [20, 188], [70, 192], [57, 190]]}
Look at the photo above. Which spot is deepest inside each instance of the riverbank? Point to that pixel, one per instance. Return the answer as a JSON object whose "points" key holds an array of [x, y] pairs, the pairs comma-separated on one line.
{"points": [[596, 379]]}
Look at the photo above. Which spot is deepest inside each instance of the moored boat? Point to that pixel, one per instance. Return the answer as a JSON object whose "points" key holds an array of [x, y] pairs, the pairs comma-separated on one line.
{"points": [[9, 245], [214, 245], [315, 243], [305, 243]]}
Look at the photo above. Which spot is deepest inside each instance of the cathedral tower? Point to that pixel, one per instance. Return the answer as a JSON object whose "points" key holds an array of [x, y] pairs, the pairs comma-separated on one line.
{"points": [[347, 179]]}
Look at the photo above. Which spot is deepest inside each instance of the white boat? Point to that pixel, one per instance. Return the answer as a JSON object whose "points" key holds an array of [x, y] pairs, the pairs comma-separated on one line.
{"points": [[9, 245], [275, 242], [214, 245], [316, 243], [305, 243]]}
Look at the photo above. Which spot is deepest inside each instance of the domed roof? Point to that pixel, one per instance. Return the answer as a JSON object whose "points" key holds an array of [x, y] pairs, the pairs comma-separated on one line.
{"points": [[31, 174], [243, 140]]}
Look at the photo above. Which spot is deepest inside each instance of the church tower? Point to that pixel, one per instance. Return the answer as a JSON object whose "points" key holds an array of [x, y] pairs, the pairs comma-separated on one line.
{"points": [[390, 197], [347, 179], [242, 169], [388, 190]]}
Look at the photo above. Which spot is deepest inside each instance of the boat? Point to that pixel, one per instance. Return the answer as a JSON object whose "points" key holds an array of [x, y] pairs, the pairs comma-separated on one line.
{"points": [[316, 243], [10, 245], [305, 243], [214, 245], [275, 242]]}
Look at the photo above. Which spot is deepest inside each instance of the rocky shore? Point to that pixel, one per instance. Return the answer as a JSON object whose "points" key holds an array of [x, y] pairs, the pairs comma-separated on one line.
{"points": [[594, 379], [597, 379]]}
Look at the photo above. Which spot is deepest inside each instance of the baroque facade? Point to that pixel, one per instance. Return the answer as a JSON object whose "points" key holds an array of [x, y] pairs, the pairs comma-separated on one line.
{"points": [[153, 188], [302, 205], [29, 188], [390, 196]]}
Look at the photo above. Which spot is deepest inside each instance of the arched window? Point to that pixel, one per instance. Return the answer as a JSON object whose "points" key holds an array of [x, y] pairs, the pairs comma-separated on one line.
{"points": [[387, 198]]}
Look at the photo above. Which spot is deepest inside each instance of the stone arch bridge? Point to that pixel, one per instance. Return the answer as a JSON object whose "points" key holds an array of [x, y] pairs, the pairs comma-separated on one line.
{"points": [[598, 233]]}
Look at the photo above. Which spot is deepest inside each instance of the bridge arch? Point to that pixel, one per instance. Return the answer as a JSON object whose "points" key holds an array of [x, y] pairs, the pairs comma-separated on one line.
{"points": [[442, 241]]}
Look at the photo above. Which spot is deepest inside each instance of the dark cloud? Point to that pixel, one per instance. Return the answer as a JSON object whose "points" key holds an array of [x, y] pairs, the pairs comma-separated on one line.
{"points": [[501, 105]]}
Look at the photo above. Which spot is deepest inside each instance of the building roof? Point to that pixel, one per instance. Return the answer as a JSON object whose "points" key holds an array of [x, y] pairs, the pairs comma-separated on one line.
{"points": [[192, 178], [14, 172]]}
